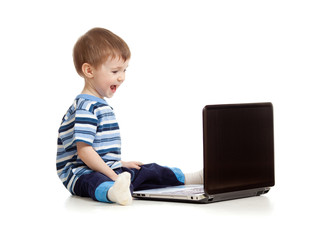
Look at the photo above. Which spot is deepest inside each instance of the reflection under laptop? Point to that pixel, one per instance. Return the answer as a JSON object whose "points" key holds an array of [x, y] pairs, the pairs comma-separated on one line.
{"points": [[238, 147]]}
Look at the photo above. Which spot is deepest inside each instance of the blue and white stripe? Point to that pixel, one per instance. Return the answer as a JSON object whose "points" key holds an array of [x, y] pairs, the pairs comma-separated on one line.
{"points": [[91, 120]]}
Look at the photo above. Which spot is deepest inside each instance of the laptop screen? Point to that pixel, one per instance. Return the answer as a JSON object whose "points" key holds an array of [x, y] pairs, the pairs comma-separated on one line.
{"points": [[238, 147]]}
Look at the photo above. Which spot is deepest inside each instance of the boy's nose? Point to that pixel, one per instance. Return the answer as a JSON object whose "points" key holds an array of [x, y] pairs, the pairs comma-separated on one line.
{"points": [[120, 79]]}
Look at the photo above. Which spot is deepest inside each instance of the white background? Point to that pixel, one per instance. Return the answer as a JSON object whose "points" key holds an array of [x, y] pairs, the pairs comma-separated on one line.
{"points": [[185, 54]]}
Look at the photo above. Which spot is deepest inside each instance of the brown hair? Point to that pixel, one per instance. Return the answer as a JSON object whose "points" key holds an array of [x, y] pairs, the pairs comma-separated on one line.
{"points": [[95, 46]]}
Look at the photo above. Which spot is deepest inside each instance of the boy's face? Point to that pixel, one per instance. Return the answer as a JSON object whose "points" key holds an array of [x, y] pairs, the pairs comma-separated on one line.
{"points": [[107, 78]]}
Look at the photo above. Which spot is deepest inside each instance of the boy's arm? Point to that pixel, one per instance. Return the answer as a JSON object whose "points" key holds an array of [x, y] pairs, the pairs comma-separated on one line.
{"points": [[92, 159]]}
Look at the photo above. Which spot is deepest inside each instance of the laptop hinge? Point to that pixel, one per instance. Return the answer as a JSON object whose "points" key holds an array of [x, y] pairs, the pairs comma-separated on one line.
{"points": [[210, 198]]}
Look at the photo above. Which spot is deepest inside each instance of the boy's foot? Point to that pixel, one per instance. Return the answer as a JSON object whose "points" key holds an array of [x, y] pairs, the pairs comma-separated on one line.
{"points": [[194, 178], [120, 192]]}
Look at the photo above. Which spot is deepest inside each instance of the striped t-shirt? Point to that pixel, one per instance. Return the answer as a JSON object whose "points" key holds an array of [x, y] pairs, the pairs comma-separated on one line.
{"points": [[91, 120]]}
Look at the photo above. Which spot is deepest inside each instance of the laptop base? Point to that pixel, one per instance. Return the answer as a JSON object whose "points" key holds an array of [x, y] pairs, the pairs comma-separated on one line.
{"points": [[199, 198]]}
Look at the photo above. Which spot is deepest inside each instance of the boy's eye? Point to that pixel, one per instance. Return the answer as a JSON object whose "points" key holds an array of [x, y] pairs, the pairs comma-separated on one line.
{"points": [[115, 72]]}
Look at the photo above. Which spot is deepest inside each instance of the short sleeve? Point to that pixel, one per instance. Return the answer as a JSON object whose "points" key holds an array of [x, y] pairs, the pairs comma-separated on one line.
{"points": [[81, 126]]}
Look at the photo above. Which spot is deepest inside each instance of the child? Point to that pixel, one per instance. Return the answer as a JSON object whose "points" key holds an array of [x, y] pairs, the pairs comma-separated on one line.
{"points": [[89, 144]]}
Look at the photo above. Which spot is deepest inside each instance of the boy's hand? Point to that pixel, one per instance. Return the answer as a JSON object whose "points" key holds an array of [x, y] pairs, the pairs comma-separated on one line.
{"points": [[132, 164]]}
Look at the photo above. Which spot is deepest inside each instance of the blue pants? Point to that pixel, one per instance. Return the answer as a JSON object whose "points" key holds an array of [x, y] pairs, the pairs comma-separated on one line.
{"points": [[96, 184]]}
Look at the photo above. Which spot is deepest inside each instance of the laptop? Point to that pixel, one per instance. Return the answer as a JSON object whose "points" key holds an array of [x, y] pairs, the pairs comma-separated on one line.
{"points": [[238, 155]]}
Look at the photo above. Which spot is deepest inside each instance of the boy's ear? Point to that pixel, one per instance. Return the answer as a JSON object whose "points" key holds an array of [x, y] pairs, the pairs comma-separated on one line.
{"points": [[87, 70]]}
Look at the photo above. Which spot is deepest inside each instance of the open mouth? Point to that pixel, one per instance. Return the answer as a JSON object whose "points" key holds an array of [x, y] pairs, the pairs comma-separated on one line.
{"points": [[113, 88]]}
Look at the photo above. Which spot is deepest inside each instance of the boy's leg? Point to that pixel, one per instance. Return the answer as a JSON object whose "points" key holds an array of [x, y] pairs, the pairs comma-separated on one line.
{"points": [[100, 188], [155, 176]]}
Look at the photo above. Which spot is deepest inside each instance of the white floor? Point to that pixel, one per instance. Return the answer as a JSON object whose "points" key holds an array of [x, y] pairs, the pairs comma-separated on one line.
{"points": [[280, 214], [185, 54]]}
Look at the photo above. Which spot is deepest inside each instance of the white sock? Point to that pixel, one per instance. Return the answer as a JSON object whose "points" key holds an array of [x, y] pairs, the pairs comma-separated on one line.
{"points": [[194, 178], [120, 192]]}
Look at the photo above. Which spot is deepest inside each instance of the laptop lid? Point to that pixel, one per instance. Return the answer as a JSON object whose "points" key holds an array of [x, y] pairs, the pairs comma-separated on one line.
{"points": [[238, 147]]}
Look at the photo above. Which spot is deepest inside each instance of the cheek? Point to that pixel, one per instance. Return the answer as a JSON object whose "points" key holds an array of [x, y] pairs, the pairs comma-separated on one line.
{"points": [[104, 79]]}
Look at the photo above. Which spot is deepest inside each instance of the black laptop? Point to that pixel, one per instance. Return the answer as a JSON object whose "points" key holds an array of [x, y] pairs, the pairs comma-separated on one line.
{"points": [[238, 148]]}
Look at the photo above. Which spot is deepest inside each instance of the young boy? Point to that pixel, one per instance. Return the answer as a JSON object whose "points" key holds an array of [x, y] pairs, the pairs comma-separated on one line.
{"points": [[89, 144]]}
